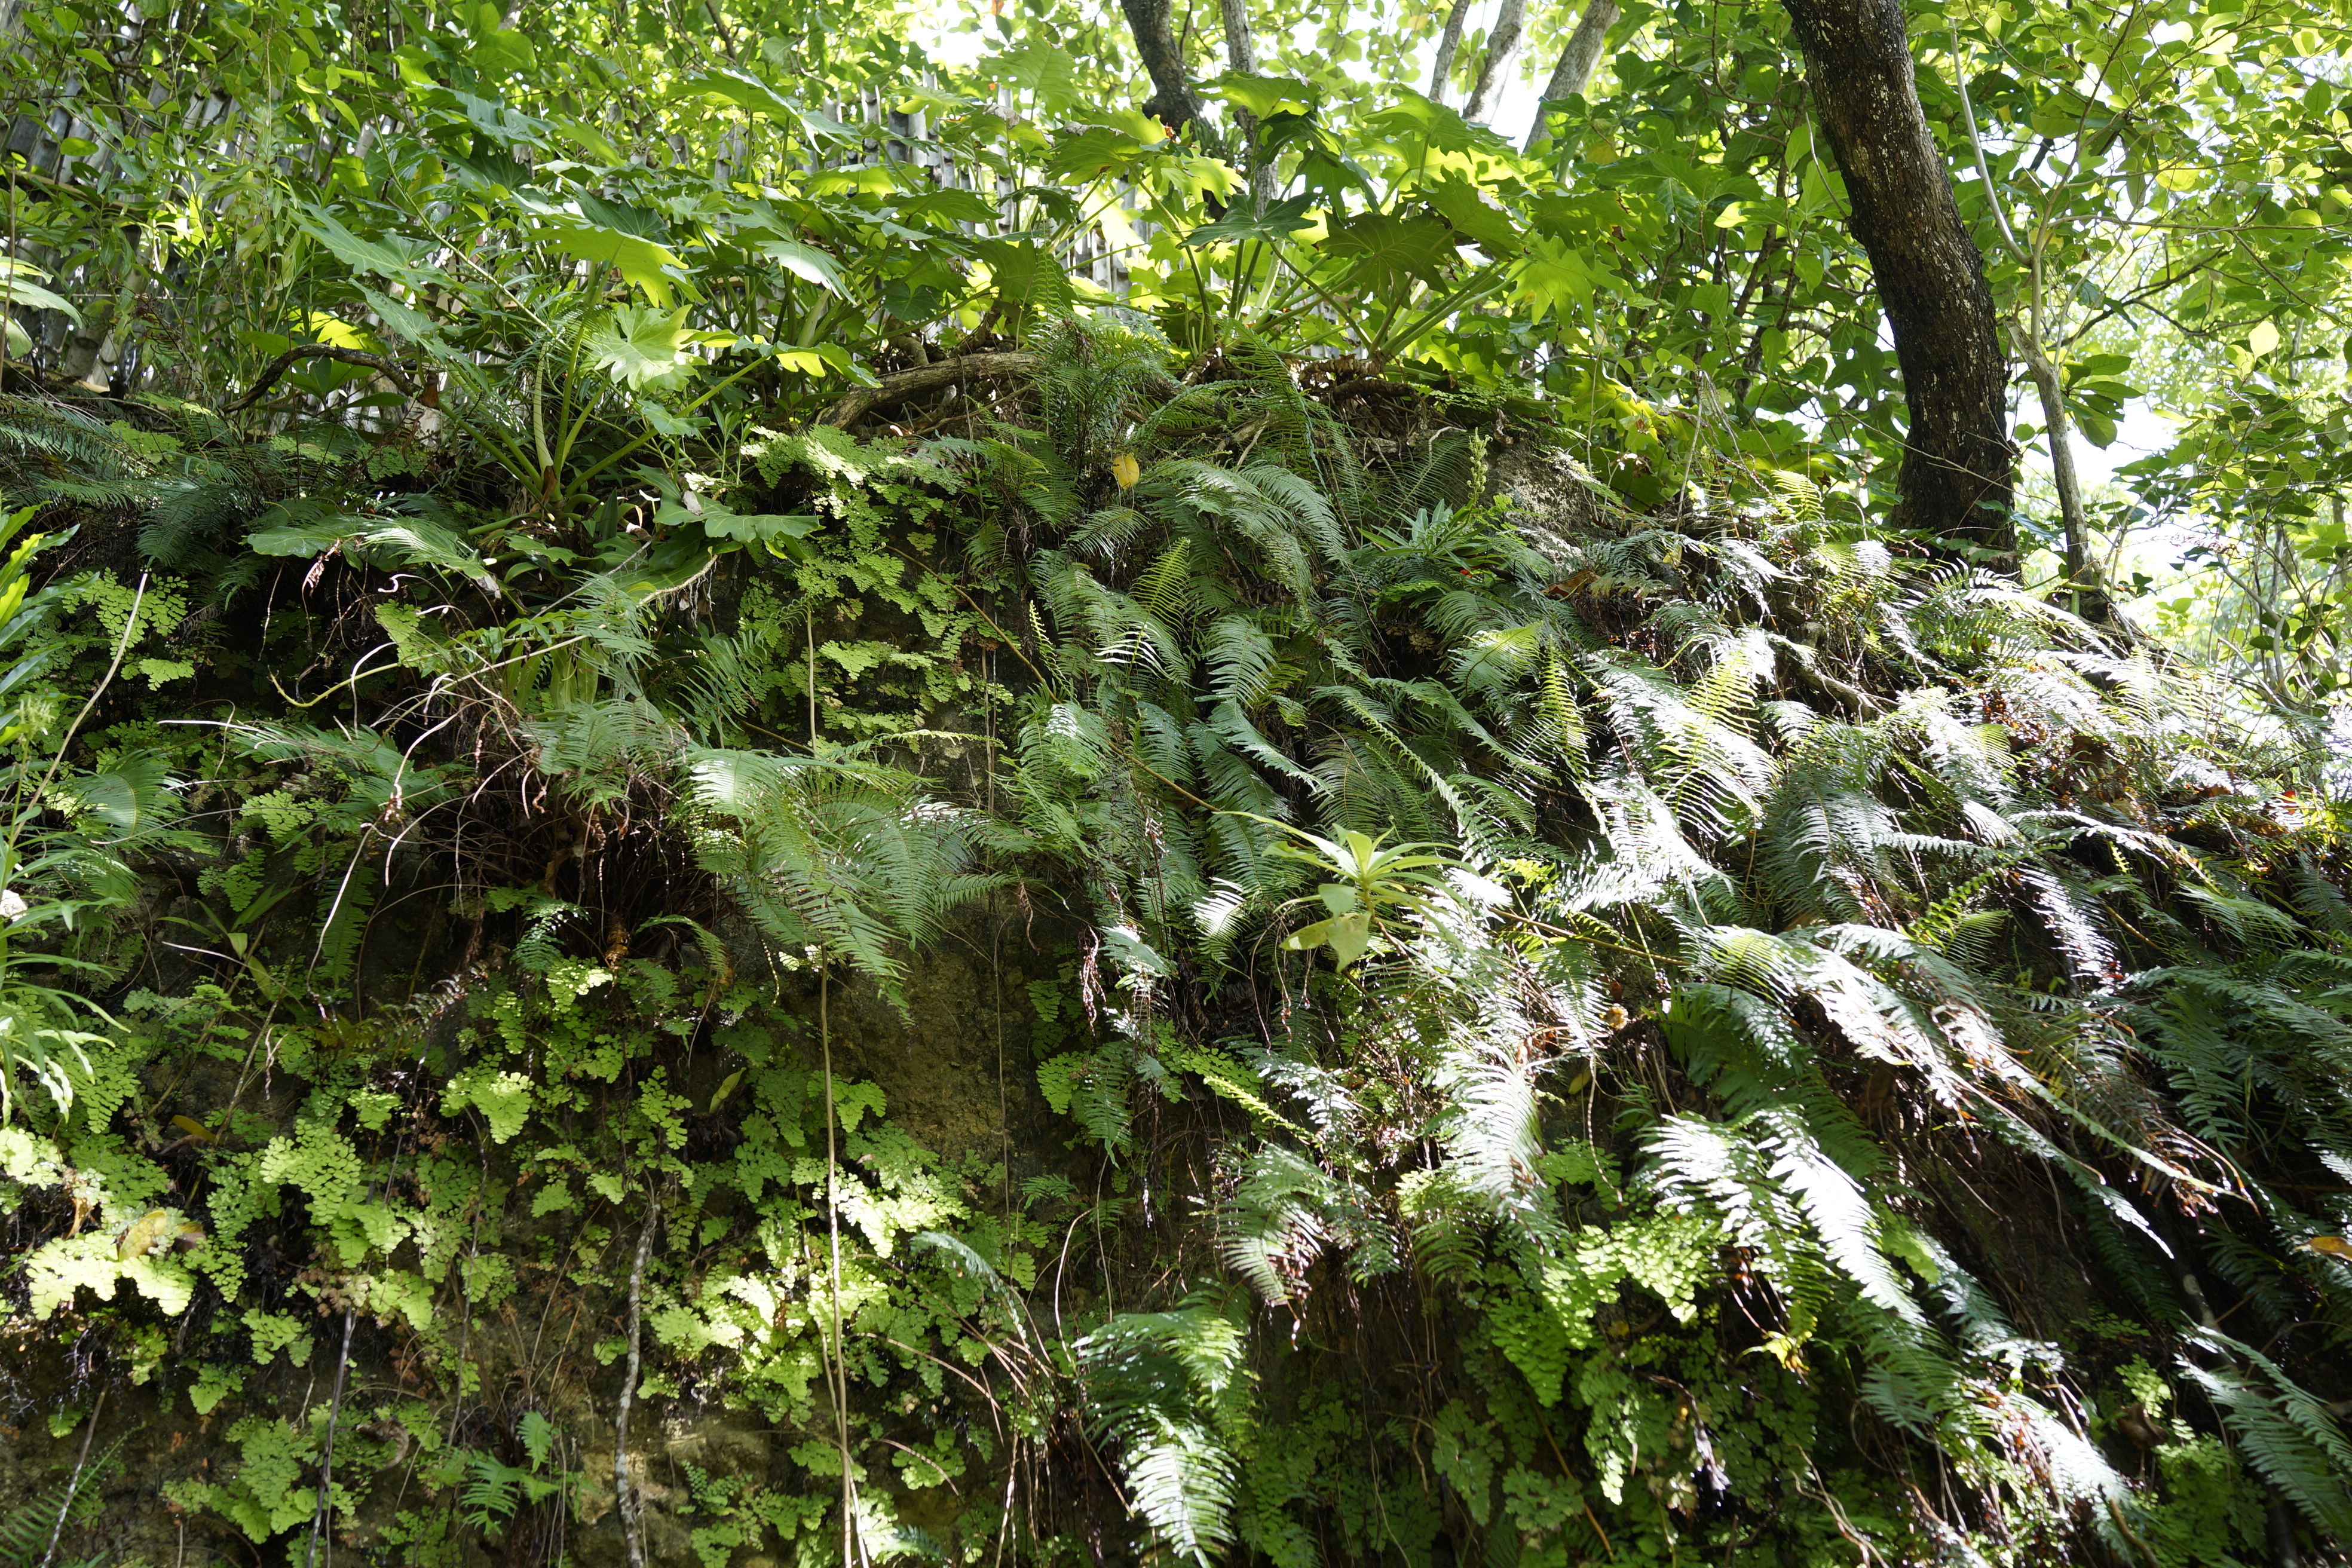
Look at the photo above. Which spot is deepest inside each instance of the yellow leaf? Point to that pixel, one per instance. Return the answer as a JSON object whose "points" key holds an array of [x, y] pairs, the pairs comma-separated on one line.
{"points": [[2335, 1245], [336, 333], [145, 1231], [1126, 470], [2261, 340], [195, 1130]]}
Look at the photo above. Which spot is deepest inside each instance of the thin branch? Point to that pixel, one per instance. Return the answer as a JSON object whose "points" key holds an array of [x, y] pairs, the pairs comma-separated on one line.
{"points": [[900, 385], [391, 370], [631, 1535]]}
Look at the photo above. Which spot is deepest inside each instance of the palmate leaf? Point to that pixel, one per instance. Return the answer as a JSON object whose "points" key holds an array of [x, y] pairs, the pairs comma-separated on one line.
{"points": [[1388, 254], [309, 526], [637, 346], [1555, 277], [394, 256], [1265, 96], [642, 261], [1458, 201], [1241, 222]]}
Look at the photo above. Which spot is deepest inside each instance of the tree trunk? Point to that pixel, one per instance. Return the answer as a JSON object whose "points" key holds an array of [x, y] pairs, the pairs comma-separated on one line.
{"points": [[1502, 48], [1955, 482], [2082, 572], [1240, 57], [1172, 101], [1578, 58], [1449, 44]]}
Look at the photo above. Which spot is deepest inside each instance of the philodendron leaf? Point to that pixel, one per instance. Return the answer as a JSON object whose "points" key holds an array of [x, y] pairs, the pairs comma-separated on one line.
{"points": [[638, 346], [20, 284], [1348, 936], [804, 262], [639, 259]]}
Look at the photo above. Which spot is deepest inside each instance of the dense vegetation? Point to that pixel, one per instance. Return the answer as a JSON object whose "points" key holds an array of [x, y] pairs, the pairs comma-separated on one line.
{"points": [[765, 799]]}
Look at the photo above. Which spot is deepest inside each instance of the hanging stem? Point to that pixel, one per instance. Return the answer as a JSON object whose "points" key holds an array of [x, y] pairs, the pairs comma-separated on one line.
{"points": [[838, 1374], [327, 1454], [56, 1531], [832, 1226], [631, 1539]]}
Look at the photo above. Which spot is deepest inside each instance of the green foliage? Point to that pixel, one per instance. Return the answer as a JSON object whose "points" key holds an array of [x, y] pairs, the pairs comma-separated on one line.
{"points": [[1684, 944], [1768, 958]]}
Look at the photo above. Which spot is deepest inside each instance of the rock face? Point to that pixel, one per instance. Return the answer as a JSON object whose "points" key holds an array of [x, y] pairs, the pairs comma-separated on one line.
{"points": [[956, 1066], [1543, 483]]}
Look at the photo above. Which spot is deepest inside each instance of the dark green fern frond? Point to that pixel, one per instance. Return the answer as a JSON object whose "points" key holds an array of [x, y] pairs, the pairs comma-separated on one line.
{"points": [[28, 1533]]}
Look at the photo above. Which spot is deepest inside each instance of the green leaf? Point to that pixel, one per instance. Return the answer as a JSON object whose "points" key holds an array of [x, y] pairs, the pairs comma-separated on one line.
{"points": [[394, 256], [128, 798], [623, 218], [399, 318], [1458, 201], [805, 261], [1279, 219], [1346, 935], [1095, 153], [637, 347], [503, 53], [637, 259], [948, 206], [764, 528], [1553, 277], [1420, 124], [18, 287], [307, 527], [1025, 273], [504, 1098], [1390, 253], [1265, 95], [749, 93], [740, 88], [1046, 70]]}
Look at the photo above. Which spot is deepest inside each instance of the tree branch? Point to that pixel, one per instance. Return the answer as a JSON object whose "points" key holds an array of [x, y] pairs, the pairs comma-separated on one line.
{"points": [[1958, 466], [1173, 99], [1502, 48], [1449, 44], [899, 385], [1578, 58], [391, 370]]}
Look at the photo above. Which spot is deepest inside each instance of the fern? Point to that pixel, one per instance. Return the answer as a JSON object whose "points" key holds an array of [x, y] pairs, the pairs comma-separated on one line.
{"points": [[30, 1533], [1163, 1386], [1276, 1220]]}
